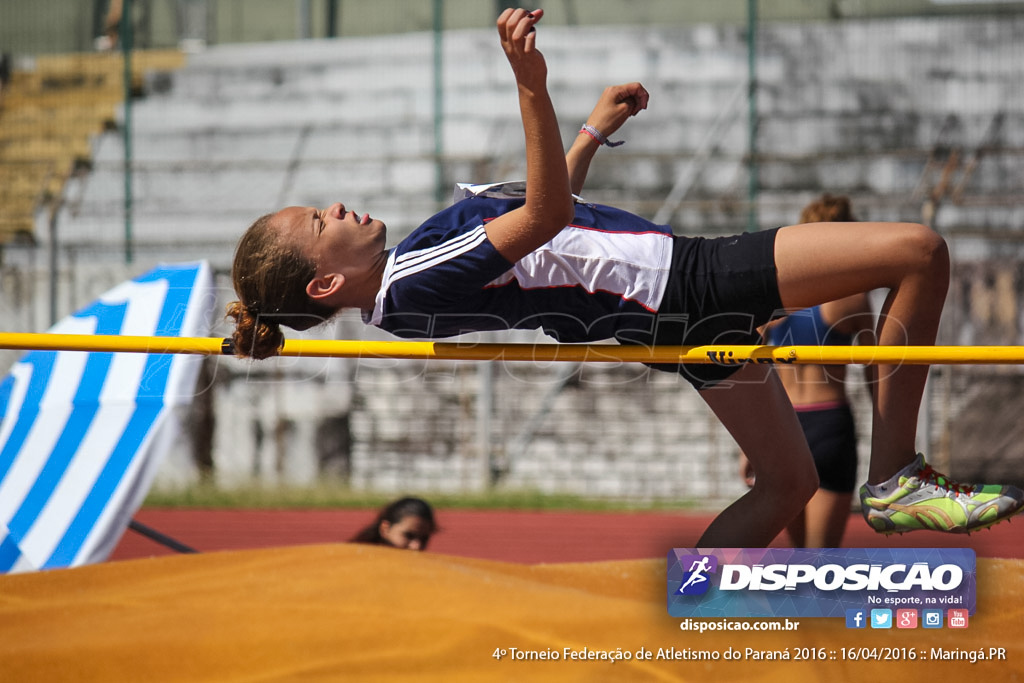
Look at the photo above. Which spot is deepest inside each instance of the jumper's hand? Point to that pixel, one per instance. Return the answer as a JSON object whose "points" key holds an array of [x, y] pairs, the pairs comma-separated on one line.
{"points": [[519, 41], [616, 104]]}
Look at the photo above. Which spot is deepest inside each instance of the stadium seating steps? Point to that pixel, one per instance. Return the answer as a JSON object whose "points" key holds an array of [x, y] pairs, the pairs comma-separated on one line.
{"points": [[48, 114]]}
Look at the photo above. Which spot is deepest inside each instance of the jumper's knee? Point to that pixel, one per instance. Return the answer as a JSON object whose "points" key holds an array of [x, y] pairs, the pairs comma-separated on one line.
{"points": [[925, 251], [793, 489]]}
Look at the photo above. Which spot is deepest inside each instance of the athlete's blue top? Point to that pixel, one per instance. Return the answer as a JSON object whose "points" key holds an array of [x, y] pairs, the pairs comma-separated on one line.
{"points": [[806, 327], [603, 274]]}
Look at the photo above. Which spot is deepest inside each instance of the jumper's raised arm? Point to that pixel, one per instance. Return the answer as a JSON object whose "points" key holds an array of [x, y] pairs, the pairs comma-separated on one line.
{"points": [[548, 205], [616, 104]]}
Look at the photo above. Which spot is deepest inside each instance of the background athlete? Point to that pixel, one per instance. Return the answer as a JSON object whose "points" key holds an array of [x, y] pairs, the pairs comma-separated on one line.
{"points": [[819, 396]]}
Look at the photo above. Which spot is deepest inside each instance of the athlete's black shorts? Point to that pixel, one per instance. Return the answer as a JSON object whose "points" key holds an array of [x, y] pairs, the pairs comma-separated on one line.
{"points": [[832, 436], [720, 291]]}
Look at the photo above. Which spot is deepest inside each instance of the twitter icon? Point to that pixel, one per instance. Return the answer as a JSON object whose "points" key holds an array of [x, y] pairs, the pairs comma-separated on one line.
{"points": [[881, 618]]}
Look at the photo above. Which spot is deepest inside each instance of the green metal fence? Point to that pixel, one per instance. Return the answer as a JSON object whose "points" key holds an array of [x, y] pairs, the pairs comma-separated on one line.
{"points": [[28, 27]]}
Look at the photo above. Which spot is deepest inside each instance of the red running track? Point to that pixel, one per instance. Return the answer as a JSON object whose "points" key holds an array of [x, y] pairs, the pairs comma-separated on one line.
{"points": [[508, 536]]}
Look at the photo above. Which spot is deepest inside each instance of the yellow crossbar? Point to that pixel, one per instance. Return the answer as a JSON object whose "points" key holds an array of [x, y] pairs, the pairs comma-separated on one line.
{"points": [[589, 353]]}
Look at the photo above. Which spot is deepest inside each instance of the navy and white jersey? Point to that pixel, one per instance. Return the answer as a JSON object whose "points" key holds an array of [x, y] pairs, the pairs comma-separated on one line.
{"points": [[603, 274]]}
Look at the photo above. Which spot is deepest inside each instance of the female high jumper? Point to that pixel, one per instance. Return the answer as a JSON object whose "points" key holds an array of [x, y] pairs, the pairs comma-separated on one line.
{"points": [[584, 272]]}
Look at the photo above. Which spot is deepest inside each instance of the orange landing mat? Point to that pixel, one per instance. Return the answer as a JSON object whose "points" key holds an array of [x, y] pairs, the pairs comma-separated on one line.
{"points": [[362, 613]]}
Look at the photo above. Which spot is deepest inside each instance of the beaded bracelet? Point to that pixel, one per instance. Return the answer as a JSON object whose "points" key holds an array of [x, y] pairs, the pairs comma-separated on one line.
{"points": [[598, 136]]}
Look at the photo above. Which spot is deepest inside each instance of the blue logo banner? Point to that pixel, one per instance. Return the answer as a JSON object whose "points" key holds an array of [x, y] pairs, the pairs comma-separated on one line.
{"points": [[828, 582]]}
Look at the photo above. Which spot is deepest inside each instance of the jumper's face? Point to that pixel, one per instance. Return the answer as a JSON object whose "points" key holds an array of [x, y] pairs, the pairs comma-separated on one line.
{"points": [[410, 533], [335, 239]]}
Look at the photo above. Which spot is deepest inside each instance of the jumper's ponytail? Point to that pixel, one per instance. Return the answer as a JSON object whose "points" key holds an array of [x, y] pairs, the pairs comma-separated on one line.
{"points": [[254, 336]]}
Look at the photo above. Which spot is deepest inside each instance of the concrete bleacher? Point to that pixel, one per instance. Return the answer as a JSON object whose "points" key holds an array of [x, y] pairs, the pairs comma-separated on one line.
{"points": [[854, 107], [50, 112]]}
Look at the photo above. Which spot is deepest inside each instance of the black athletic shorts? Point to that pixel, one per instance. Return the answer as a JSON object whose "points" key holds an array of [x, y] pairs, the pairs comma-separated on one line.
{"points": [[720, 291]]}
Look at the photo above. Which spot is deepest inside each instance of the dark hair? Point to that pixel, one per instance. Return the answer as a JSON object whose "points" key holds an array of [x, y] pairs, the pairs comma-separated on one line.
{"points": [[828, 209], [393, 513], [270, 278]]}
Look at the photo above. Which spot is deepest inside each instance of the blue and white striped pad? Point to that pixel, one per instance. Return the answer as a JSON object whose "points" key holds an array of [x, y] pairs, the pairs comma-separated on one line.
{"points": [[82, 434]]}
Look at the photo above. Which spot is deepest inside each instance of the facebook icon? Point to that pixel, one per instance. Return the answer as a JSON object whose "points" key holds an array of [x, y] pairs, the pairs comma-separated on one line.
{"points": [[856, 618]]}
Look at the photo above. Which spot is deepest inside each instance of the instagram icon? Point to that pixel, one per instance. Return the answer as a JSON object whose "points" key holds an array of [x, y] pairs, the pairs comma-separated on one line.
{"points": [[931, 618]]}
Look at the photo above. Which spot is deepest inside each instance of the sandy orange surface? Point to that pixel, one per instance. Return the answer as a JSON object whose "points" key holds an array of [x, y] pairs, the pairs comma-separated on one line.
{"points": [[354, 613]]}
